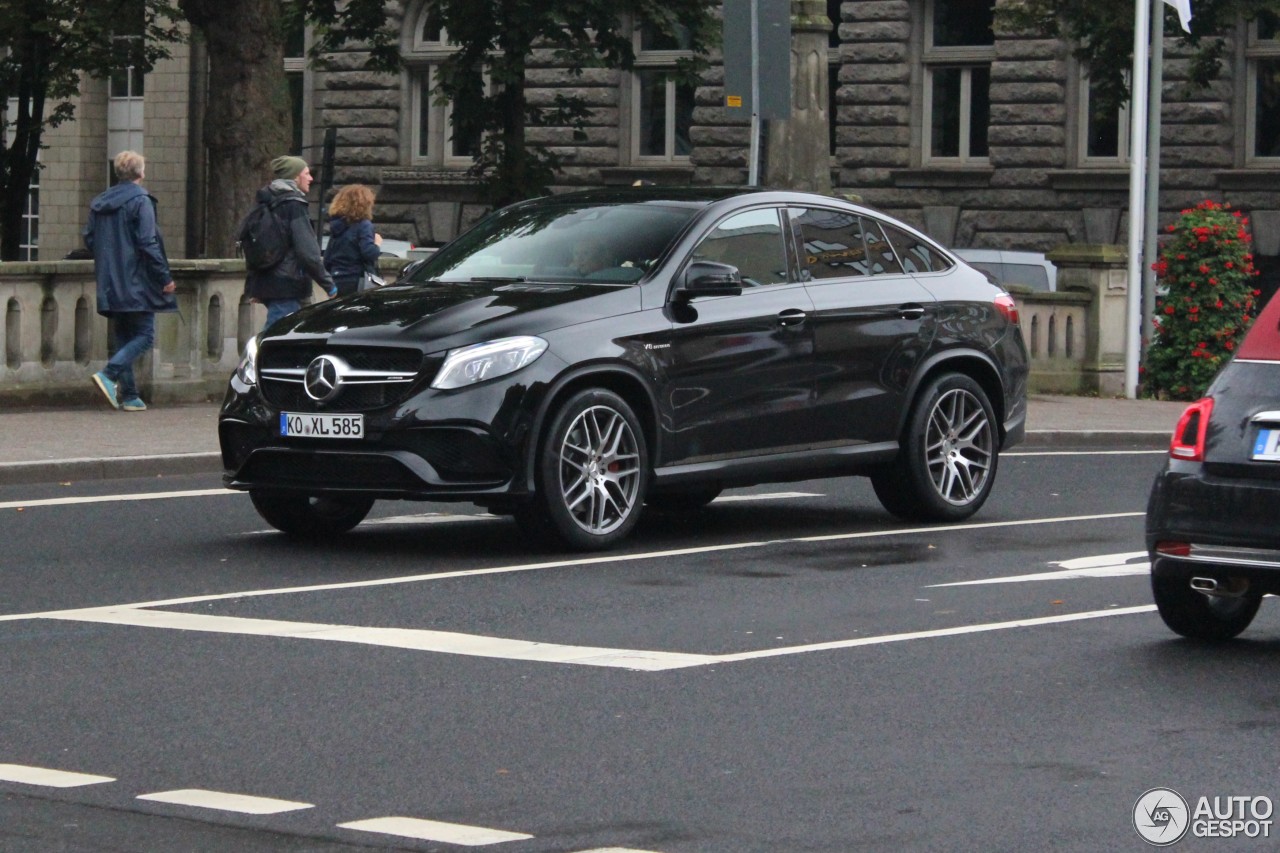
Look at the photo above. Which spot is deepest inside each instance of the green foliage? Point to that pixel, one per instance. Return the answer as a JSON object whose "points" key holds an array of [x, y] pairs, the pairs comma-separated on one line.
{"points": [[1208, 269], [1102, 32], [45, 47]]}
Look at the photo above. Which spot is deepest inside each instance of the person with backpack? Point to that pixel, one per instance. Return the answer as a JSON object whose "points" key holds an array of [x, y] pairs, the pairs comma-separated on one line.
{"points": [[280, 249], [132, 270], [353, 244]]}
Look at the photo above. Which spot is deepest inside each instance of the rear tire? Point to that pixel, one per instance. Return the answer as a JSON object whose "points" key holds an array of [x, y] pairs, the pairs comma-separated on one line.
{"points": [[1197, 616], [947, 462], [311, 516], [592, 471]]}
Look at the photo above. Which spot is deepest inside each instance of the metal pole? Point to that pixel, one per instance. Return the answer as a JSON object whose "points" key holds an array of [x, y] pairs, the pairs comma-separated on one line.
{"points": [[1137, 175], [753, 168], [1152, 219]]}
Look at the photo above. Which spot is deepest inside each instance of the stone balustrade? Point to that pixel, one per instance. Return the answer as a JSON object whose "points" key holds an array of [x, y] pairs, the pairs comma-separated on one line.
{"points": [[53, 339]]}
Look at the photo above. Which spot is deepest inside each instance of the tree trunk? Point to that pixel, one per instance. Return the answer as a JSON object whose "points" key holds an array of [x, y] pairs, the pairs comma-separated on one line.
{"points": [[248, 121]]}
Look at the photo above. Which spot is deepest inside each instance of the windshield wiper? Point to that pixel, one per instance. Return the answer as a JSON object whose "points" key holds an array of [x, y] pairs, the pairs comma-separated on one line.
{"points": [[499, 279]]}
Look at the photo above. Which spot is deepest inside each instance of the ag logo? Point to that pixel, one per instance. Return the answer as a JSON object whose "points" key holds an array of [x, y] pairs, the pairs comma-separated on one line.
{"points": [[1161, 817]]}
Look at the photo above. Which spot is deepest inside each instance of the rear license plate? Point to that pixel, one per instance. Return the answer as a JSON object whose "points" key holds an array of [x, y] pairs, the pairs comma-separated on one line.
{"points": [[1267, 447], [301, 425]]}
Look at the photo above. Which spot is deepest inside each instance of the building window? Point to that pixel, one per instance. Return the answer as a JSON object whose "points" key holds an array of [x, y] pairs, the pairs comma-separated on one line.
{"points": [[297, 78], [434, 142], [124, 115], [959, 50], [661, 107], [1104, 129], [29, 242], [1262, 53], [833, 72]]}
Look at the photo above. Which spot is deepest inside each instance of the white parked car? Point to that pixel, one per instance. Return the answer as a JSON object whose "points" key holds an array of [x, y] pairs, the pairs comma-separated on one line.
{"points": [[1029, 269]]}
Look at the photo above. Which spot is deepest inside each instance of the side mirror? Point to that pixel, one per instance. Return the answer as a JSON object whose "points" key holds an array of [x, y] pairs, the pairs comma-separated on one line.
{"points": [[709, 278]]}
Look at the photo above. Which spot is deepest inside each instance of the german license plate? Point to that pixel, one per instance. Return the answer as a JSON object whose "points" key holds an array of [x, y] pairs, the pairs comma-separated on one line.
{"points": [[304, 425], [1267, 447]]}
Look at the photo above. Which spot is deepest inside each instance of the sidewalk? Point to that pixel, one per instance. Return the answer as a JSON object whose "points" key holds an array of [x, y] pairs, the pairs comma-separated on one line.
{"points": [[52, 445]]}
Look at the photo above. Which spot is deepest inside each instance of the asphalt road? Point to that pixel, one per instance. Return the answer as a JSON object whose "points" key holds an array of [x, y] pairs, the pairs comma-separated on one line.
{"points": [[790, 670]]}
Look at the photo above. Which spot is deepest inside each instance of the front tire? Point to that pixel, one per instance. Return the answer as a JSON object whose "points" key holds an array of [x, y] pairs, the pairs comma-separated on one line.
{"points": [[1197, 616], [310, 516], [592, 472], [947, 462]]}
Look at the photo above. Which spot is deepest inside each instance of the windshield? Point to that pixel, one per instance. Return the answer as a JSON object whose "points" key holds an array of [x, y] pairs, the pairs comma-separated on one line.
{"points": [[608, 243]]}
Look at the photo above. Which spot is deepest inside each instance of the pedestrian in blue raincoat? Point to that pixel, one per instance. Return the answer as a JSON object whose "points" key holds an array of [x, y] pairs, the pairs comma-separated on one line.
{"points": [[134, 281]]}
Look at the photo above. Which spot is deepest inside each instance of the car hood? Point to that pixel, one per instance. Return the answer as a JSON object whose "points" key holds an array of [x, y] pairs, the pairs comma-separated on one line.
{"points": [[438, 315]]}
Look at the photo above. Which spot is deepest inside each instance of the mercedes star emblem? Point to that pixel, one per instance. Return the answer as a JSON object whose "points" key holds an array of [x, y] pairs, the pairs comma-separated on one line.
{"points": [[324, 378]]}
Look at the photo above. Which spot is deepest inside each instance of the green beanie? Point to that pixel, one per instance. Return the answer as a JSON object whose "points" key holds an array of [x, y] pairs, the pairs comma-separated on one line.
{"points": [[288, 167]]}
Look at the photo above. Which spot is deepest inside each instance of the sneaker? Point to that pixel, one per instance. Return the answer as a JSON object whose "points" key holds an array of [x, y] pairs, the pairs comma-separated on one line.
{"points": [[107, 387], [133, 404]]}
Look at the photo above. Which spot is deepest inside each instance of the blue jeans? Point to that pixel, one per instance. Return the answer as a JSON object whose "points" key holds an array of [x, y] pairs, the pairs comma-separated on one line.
{"points": [[135, 334], [277, 308]]}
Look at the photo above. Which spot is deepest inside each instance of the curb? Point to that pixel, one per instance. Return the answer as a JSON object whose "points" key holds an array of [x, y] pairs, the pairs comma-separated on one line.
{"points": [[124, 467], [110, 468]]}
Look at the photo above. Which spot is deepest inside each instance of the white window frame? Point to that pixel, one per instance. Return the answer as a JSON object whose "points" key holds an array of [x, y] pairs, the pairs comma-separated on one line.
{"points": [[966, 58], [125, 118], [1257, 51], [1086, 115], [649, 61], [29, 246], [422, 62], [296, 66]]}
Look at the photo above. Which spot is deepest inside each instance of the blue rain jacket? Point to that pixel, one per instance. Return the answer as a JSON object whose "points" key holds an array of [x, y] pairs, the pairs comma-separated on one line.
{"points": [[128, 254]]}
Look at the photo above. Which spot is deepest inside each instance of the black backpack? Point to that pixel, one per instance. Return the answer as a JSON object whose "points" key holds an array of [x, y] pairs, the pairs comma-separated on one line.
{"points": [[263, 239]]}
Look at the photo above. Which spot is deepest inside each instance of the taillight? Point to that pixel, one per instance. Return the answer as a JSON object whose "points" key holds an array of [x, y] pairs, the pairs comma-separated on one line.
{"points": [[1006, 306], [1174, 549], [1188, 435]]}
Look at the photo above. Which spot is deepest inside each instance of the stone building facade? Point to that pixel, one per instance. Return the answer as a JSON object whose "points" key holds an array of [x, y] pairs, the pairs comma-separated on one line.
{"points": [[983, 138]]}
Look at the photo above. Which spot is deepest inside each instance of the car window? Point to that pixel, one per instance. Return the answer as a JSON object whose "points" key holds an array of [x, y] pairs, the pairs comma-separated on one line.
{"points": [[750, 241], [880, 256], [831, 242], [917, 255], [612, 243], [1030, 275]]}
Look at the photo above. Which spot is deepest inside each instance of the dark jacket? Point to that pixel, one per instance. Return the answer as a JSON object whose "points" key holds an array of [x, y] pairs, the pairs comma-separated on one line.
{"points": [[128, 254], [302, 264], [351, 249]]}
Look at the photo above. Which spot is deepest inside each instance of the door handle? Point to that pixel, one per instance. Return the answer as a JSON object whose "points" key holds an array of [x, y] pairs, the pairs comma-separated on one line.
{"points": [[791, 317], [911, 311]]}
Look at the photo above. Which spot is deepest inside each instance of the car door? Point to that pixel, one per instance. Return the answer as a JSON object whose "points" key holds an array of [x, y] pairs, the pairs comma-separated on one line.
{"points": [[872, 322], [739, 368]]}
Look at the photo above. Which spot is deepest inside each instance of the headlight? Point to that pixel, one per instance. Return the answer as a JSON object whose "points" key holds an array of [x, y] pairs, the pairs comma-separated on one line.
{"points": [[468, 365], [247, 372]]}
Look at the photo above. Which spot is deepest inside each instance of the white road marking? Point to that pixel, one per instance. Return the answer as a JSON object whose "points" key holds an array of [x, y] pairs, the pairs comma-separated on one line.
{"points": [[1085, 452], [475, 645], [48, 778], [939, 632], [769, 496], [99, 499], [1103, 566], [447, 642], [589, 561], [221, 801], [614, 850], [434, 830]]}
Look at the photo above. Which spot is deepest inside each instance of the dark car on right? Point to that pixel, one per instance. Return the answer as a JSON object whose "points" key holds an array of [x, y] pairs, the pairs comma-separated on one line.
{"points": [[1213, 519]]}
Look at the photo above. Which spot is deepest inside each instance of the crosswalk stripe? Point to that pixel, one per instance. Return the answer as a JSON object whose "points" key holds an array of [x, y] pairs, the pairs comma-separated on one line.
{"points": [[434, 830], [48, 778], [222, 801]]}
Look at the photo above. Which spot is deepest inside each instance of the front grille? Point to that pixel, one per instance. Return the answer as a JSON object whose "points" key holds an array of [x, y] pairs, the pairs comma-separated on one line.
{"points": [[282, 365], [329, 470]]}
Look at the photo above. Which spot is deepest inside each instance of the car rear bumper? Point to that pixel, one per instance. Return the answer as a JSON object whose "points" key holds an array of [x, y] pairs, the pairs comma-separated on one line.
{"points": [[1199, 525]]}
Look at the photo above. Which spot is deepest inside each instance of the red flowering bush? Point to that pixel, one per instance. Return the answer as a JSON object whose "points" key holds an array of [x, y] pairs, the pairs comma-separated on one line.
{"points": [[1210, 302]]}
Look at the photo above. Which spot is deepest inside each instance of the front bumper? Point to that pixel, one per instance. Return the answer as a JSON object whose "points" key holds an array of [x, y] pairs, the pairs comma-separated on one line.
{"points": [[436, 445]]}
